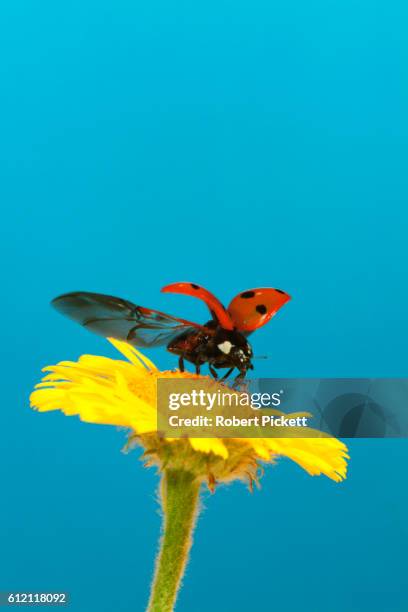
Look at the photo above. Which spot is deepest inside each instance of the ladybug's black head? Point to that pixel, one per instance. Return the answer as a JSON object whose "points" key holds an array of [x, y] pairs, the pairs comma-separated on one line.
{"points": [[241, 357], [234, 348]]}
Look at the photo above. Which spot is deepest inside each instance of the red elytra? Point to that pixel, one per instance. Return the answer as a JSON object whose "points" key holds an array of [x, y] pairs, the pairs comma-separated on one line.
{"points": [[248, 310]]}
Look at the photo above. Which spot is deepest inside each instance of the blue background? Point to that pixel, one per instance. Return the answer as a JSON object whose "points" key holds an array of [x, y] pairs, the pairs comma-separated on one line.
{"points": [[233, 144]]}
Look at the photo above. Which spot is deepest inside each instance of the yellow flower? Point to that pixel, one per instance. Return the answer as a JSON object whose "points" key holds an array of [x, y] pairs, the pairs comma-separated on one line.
{"points": [[117, 392]]}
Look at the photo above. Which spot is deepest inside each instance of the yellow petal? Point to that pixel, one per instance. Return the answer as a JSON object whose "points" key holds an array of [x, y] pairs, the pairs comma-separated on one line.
{"points": [[209, 445], [131, 353]]}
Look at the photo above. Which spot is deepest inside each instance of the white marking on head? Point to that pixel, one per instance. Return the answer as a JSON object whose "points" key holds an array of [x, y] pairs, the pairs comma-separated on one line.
{"points": [[225, 347]]}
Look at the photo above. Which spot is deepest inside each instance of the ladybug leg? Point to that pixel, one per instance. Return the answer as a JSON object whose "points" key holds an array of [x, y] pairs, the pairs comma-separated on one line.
{"points": [[181, 363], [227, 374], [239, 379], [213, 372]]}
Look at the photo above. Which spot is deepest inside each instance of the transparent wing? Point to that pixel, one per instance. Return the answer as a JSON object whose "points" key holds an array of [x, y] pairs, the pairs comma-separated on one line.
{"points": [[114, 317]]}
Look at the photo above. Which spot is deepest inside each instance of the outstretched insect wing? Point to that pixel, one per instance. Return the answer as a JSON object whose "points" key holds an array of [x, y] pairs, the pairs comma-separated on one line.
{"points": [[217, 310], [253, 308], [114, 317]]}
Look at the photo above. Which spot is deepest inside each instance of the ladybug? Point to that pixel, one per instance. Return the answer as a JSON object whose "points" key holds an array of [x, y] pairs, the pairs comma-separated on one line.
{"points": [[221, 342]]}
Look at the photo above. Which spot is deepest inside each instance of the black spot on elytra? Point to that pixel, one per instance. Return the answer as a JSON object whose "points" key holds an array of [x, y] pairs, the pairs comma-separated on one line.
{"points": [[248, 294], [280, 291], [194, 286], [262, 309]]}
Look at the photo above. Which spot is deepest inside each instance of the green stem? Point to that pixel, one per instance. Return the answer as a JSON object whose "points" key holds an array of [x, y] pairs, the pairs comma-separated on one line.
{"points": [[180, 494]]}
